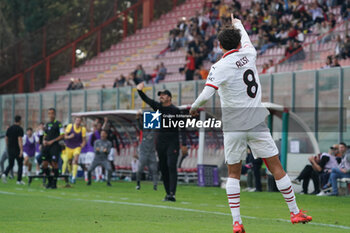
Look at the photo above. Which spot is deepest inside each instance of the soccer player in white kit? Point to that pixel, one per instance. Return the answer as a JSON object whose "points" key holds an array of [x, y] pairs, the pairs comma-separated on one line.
{"points": [[243, 116]]}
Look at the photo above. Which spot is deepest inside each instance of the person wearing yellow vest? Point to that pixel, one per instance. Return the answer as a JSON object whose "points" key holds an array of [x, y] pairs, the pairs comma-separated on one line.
{"points": [[75, 138]]}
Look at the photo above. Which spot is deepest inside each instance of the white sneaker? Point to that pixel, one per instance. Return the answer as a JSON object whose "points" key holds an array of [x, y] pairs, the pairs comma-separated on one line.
{"points": [[20, 182], [322, 193], [251, 190], [3, 178]]}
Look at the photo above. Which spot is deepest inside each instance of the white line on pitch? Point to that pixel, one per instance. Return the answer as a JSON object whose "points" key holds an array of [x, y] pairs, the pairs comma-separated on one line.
{"points": [[176, 208]]}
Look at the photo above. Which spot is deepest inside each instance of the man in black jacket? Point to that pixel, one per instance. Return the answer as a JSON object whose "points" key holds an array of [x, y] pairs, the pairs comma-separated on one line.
{"points": [[167, 141], [14, 146]]}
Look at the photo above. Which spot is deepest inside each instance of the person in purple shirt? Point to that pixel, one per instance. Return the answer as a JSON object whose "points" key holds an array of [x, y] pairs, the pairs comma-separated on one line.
{"points": [[29, 148]]}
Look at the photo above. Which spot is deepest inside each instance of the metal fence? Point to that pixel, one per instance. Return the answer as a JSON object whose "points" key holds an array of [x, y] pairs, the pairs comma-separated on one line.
{"points": [[307, 93]]}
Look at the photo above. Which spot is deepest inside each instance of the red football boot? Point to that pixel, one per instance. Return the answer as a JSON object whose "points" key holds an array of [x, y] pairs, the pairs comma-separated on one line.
{"points": [[238, 228], [300, 217]]}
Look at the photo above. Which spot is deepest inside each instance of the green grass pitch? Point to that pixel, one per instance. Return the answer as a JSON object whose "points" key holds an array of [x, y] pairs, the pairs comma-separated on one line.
{"points": [[123, 209]]}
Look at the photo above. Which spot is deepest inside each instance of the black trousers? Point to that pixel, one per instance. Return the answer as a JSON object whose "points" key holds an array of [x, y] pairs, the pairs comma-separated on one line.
{"points": [[168, 152], [309, 173], [257, 163], [14, 155], [189, 75]]}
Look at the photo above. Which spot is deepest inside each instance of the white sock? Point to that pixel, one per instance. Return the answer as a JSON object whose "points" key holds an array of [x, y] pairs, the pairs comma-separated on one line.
{"points": [[85, 175], [233, 195], [285, 187], [24, 170], [98, 172]]}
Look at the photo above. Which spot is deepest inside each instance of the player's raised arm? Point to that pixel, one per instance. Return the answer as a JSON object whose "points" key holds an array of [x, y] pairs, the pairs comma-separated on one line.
{"points": [[245, 41], [154, 104], [213, 81]]}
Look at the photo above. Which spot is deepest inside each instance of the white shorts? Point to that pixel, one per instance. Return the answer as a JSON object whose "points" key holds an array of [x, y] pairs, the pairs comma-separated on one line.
{"points": [[89, 157], [111, 154], [258, 138], [82, 158], [30, 159]]}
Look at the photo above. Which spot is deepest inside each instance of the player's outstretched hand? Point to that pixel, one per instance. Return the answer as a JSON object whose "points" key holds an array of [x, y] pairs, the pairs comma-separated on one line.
{"points": [[193, 112], [140, 86], [234, 20]]}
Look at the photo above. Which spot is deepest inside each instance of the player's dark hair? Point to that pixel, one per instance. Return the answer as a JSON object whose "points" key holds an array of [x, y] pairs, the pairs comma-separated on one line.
{"points": [[52, 109], [29, 128], [344, 144], [18, 118], [229, 37]]}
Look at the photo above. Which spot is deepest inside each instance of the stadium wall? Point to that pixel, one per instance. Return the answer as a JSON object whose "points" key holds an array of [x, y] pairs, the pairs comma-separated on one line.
{"points": [[319, 97]]}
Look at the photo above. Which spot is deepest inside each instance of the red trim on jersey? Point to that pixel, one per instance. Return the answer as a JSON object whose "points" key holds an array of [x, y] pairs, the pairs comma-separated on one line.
{"points": [[211, 85], [229, 52]]}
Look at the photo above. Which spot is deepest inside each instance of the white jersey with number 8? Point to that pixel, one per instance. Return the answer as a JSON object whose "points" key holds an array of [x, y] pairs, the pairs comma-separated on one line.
{"points": [[236, 78]]}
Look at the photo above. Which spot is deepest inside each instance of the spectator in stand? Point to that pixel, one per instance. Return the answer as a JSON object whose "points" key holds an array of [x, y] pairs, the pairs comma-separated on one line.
{"points": [[203, 72], [161, 73], [331, 20], [79, 84], [71, 85], [262, 39], [182, 39], [306, 20], [194, 45], [323, 30], [216, 53], [174, 42], [119, 82], [236, 5], [300, 37], [197, 75], [297, 8], [155, 72], [329, 63], [345, 10], [339, 48], [190, 66], [265, 68], [270, 37], [271, 68], [289, 49], [317, 13], [300, 53], [335, 62], [201, 56], [140, 73], [293, 33], [347, 46], [130, 80]]}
